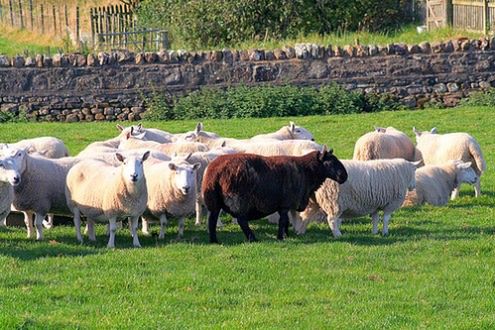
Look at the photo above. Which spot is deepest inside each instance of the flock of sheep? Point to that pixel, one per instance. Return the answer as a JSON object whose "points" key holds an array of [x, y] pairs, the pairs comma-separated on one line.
{"points": [[153, 175]]}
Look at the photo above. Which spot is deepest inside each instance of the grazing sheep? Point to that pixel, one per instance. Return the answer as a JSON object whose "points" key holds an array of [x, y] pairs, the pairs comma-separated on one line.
{"points": [[9, 178], [372, 186], [41, 188], [46, 146], [435, 183], [290, 132], [436, 149], [121, 193], [148, 134], [249, 186], [384, 143], [130, 142], [171, 192]]}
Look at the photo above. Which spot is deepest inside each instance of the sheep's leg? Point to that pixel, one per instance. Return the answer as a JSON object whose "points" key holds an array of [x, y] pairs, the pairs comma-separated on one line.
{"points": [[375, 218], [38, 220], [477, 187], [199, 212], [48, 223], [163, 226], [145, 226], [386, 220], [3, 222], [90, 226], [243, 223], [182, 221], [212, 225], [455, 193], [283, 224], [334, 223], [28, 221], [112, 228], [134, 226], [77, 224]]}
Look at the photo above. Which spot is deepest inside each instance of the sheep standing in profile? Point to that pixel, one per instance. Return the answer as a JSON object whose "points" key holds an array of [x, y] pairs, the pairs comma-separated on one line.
{"points": [[121, 193], [384, 143], [437, 149], [372, 186], [172, 191], [435, 183]]}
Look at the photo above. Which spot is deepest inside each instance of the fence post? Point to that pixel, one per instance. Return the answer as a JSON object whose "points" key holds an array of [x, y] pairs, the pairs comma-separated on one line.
{"points": [[78, 28], [92, 18], [54, 20], [66, 18], [21, 16], [11, 13], [485, 17], [1, 11], [42, 19], [31, 17]]}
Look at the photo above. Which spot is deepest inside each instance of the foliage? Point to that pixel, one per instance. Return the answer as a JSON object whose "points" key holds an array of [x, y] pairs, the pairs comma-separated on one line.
{"points": [[158, 108], [481, 98], [270, 101], [207, 23], [434, 270]]}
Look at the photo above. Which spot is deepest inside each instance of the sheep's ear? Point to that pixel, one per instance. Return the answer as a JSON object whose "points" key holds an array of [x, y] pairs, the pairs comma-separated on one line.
{"points": [[380, 129], [465, 165], [3, 146], [188, 156], [224, 143], [140, 136], [120, 157], [120, 127], [174, 155], [29, 149], [321, 155], [292, 126], [434, 130], [196, 166], [146, 155], [128, 134], [416, 132], [140, 126], [417, 164], [199, 127], [172, 166]]}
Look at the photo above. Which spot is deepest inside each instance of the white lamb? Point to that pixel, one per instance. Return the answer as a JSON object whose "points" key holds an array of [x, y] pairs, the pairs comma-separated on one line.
{"points": [[171, 192], [384, 143], [9, 178], [41, 188], [435, 183], [436, 149], [121, 193], [46, 146], [372, 186]]}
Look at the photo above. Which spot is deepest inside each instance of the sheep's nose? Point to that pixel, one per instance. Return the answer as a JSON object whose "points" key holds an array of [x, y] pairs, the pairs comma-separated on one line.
{"points": [[186, 189], [134, 177], [312, 140], [16, 179]]}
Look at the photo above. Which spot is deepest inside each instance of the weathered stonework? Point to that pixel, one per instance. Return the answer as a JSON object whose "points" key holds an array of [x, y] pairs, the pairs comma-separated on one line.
{"points": [[114, 86]]}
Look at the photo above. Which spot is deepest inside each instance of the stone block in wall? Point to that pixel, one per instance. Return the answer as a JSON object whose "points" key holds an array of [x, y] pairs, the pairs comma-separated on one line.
{"points": [[72, 118], [362, 50], [279, 54], [400, 49], [18, 61], [256, 55], [91, 60], [103, 58], [163, 56], [290, 52], [466, 46], [349, 51], [449, 47], [264, 73], [452, 87], [140, 58], [244, 55], [39, 59], [318, 70], [413, 49], [373, 50], [89, 117], [151, 57], [317, 51], [99, 117], [137, 110], [484, 85], [227, 56], [425, 47], [4, 61], [440, 88], [269, 56]]}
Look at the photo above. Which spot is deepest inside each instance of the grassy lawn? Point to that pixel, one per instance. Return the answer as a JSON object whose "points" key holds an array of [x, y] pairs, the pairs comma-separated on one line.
{"points": [[435, 270]]}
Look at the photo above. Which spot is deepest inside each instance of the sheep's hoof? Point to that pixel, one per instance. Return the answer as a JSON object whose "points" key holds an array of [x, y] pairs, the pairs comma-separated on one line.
{"points": [[253, 239], [197, 223], [47, 224], [146, 233], [337, 235]]}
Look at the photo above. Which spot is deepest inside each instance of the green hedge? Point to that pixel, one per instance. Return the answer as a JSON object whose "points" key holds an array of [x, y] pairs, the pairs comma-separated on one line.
{"points": [[209, 23], [267, 101], [481, 98]]}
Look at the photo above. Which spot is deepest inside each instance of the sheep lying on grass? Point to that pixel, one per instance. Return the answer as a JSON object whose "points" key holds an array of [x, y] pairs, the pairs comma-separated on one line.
{"points": [[41, 188], [46, 146], [384, 143], [129, 142], [9, 178], [435, 183], [290, 132], [121, 193], [172, 191], [148, 134], [372, 186], [436, 149]]}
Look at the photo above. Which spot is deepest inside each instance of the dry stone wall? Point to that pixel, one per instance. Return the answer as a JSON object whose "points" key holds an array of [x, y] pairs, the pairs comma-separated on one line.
{"points": [[114, 86]]}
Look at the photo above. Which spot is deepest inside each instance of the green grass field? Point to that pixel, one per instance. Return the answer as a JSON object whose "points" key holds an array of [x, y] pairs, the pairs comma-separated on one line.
{"points": [[435, 270]]}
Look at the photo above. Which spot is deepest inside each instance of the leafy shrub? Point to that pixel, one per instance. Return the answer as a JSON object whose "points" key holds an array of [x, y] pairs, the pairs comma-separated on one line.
{"points": [[268, 101], [206, 23], [482, 98]]}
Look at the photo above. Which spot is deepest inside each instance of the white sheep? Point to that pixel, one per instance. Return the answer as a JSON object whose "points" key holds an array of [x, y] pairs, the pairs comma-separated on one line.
{"points": [[435, 183], [9, 177], [41, 188], [121, 193], [290, 132], [172, 191], [148, 134], [46, 146], [384, 143], [278, 148], [129, 142], [436, 149], [372, 186]]}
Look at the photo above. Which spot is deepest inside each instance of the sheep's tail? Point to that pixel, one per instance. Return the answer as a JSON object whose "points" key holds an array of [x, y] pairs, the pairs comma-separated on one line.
{"points": [[475, 151]]}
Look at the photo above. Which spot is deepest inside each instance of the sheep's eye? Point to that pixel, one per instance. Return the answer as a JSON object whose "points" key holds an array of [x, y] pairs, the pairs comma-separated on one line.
{"points": [[1, 165]]}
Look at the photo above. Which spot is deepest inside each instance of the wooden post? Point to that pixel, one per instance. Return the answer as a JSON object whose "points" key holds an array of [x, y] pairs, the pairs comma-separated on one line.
{"points": [[1, 11], [78, 28], [93, 28], [54, 20], [66, 18], [42, 19], [31, 16], [21, 16], [11, 13], [485, 17]]}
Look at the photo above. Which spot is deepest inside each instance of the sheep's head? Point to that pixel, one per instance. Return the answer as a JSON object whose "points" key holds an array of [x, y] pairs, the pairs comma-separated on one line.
{"points": [[200, 135], [465, 173], [424, 133], [17, 156], [132, 167], [299, 132], [334, 169], [184, 175], [9, 172]]}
